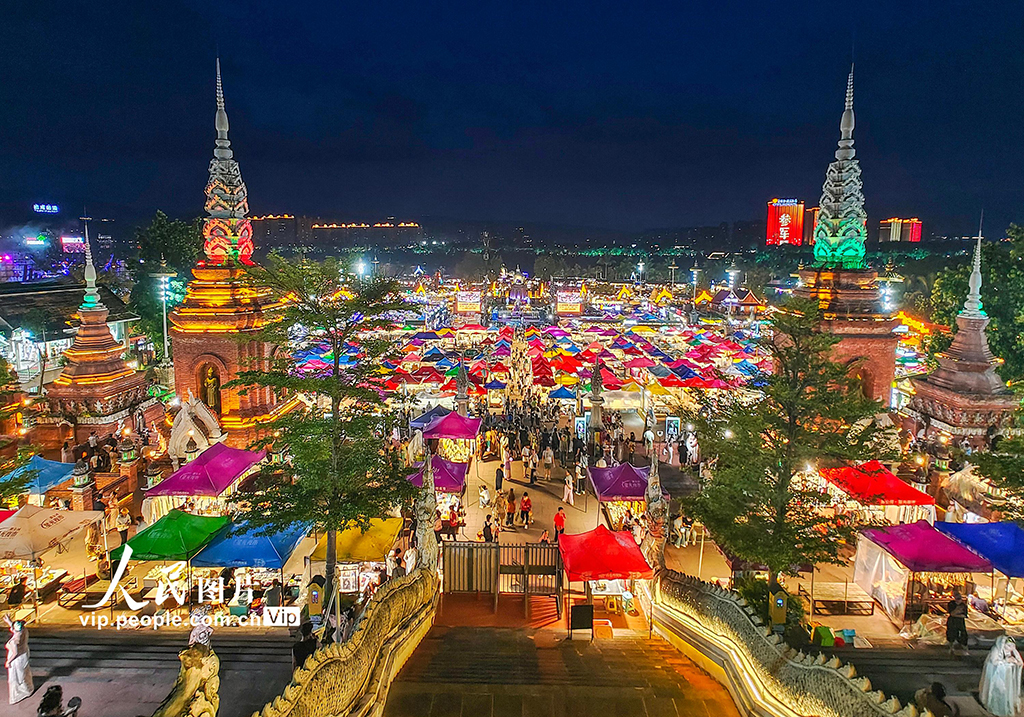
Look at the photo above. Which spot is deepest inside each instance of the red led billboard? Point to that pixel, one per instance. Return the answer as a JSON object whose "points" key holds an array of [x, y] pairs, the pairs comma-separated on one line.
{"points": [[785, 222]]}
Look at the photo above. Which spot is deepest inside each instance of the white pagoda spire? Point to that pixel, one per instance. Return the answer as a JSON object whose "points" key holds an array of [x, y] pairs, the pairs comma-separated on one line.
{"points": [[973, 307], [223, 150], [92, 294]]}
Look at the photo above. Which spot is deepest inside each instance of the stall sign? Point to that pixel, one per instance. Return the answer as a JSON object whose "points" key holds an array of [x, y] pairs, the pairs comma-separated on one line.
{"points": [[567, 304], [673, 428], [468, 302]]}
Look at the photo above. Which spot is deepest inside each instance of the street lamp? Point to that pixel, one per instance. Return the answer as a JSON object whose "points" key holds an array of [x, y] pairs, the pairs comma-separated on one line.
{"points": [[163, 277], [694, 274], [640, 269]]}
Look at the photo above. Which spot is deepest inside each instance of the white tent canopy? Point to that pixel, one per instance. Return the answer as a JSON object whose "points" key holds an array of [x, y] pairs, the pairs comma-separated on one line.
{"points": [[33, 531]]}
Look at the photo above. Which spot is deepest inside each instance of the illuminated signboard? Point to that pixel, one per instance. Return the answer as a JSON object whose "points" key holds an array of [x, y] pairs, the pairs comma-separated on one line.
{"points": [[569, 304], [785, 222], [468, 302], [72, 244], [45, 208], [36, 240]]}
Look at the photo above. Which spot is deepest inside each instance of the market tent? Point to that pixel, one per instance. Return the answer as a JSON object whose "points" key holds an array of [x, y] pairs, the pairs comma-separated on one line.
{"points": [[871, 483], [453, 426], [623, 482], [601, 554], [356, 546], [5, 514], [176, 536], [237, 546], [32, 530], [43, 474], [210, 474], [1001, 543], [449, 476], [420, 422], [923, 549], [562, 393]]}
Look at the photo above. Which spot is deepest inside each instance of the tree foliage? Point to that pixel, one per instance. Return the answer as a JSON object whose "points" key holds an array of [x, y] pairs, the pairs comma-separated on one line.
{"points": [[809, 411], [172, 240], [1002, 292], [339, 467]]}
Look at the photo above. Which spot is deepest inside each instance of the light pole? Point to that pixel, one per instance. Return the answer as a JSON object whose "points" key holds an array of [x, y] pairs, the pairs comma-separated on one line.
{"points": [[640, 269], [163, 277], [694, 273], [672, 268]]}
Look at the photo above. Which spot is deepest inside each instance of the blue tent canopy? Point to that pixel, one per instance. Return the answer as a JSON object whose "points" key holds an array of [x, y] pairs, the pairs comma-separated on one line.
{"points": [[494, 385], [421, 421], [562, 392], [46, 474], [1002, 544], [246, 549], [684, 372]]}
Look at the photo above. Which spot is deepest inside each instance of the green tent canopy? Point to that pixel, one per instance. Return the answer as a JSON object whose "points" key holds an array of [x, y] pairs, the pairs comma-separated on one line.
{"points": [[176, 536]]}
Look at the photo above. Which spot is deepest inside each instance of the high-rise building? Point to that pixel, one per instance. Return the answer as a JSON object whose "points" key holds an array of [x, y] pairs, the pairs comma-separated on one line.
{"points": [[900, 230], [785, 222], [810, 224]]}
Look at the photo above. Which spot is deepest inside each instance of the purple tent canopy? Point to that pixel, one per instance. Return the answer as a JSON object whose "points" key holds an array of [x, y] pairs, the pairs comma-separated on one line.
{"points": [[449, 477], [923, 549], [211, 473], [623, 482], [453, 426]]}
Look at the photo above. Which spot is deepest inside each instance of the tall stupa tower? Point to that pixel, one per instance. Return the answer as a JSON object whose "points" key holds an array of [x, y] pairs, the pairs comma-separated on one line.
{"points": [[840, 281], [220, 307]]}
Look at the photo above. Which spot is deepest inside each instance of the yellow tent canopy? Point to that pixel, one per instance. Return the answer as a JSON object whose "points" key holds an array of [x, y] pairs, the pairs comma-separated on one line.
{"points": [[702, 297], [566, 379], [356, 546], [632, 387], [642, 330], [657, 389]]}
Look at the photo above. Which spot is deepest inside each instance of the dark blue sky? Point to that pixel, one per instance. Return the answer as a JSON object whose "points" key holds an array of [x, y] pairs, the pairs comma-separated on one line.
{"points": [[622, 115]]}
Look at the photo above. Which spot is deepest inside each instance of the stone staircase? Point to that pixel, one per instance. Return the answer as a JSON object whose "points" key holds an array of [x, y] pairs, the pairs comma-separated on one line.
{"points": [[499, 672]]}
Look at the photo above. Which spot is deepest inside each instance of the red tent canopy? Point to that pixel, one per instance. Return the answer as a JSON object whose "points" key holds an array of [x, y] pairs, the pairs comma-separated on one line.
{"points": [[871, 483], [601, 554]]}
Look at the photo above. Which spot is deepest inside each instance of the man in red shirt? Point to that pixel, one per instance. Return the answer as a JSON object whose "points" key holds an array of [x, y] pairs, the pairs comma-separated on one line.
{"points": [[559, 522]]}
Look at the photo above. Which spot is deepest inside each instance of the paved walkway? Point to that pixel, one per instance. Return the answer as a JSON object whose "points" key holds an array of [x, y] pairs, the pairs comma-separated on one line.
{"points": [[502, 672]]}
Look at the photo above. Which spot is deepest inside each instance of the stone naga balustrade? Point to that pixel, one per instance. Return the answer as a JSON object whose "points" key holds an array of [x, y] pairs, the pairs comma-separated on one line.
{"points": [[766, 677], [352, 678]]}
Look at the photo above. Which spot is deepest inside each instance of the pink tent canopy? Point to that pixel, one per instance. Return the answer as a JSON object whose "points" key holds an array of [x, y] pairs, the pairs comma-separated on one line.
{"points": [[449, 477], [453, 426], [623, 482], [923, 549], [211, 473]]}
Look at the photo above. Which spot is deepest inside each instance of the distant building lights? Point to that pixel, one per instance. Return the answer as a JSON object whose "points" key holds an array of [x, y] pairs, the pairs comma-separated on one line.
{"points": [[46, 208]]}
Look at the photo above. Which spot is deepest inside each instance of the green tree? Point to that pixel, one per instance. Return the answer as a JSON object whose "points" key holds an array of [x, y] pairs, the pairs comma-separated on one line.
{"points": [[1002, 292], [339, 468], [809, 410], [172, 240]]}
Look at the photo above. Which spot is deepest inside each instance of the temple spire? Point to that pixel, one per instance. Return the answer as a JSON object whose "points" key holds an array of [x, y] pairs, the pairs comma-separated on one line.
{"points": [[972, 307], [223, 150], [92, 294], [846, 125]]}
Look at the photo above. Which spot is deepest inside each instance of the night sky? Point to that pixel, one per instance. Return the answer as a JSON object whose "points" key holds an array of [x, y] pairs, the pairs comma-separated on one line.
{"points": [[619, 115]]}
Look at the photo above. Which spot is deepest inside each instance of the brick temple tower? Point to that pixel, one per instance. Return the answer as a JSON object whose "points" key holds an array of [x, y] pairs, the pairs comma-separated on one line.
{"points": [[845, 288], [220, 307], [96, 391], [964, 396]]}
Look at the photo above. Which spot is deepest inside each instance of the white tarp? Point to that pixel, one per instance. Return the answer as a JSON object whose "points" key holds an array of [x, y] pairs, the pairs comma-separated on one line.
{"points": [[33, 531], [882, 577]]}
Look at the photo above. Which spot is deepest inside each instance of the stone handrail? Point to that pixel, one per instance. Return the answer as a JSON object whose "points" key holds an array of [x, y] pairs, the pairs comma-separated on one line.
{"points": [[766, 677], [352, 678]]}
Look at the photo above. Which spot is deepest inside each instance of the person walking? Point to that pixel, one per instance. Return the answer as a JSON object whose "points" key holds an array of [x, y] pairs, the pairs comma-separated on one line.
{"points": [[123, 523], [438, 526], [19, 674], [488, 530], [567, 491], [526, 510], [559, 521], [499, 478], [956, 623], [549, 461], [305, 646], [510, 516]]}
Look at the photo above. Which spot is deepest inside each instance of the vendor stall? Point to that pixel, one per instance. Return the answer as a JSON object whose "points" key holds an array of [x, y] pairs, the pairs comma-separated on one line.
{"points": [[360, 553], [872, 492], [621, 491], [909, 569], [1002, 544], [456, 435], [205, 484], [607, 561]]}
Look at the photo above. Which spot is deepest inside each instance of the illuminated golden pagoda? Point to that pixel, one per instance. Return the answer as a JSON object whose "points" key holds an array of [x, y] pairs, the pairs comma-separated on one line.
{"points": [[97, 390], [220, 305]]}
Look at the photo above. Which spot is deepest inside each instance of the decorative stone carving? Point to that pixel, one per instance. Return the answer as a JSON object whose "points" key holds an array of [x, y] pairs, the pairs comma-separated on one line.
{"points": [[195, 692]]}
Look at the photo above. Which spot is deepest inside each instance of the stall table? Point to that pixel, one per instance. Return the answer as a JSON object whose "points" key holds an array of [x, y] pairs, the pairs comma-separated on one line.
{"points": [[840, 599]]}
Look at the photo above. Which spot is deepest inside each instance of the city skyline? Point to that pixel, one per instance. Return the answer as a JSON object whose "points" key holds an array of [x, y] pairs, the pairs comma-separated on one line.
{"points": [[626, 140]]}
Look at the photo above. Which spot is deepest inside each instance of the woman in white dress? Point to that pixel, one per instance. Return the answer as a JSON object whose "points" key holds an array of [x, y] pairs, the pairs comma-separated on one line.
{"points": [[567, 493], [19, 676], [1000, 679]]}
